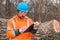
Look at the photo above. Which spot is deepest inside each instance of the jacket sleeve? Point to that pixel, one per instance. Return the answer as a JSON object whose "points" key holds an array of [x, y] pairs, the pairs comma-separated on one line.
{"points": [[31, 21], [10, 32]]}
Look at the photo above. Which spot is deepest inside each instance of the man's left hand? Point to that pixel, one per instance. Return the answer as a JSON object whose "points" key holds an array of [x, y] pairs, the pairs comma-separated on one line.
{"points": [[36, 25]]}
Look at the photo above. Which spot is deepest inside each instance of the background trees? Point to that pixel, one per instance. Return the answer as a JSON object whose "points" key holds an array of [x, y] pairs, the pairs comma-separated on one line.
{"points": [[38, 9]]}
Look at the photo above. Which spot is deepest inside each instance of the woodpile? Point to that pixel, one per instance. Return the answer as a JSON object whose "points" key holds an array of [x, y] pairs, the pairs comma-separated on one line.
{"points": [[3, 23], [49, 30], [53, 24]]}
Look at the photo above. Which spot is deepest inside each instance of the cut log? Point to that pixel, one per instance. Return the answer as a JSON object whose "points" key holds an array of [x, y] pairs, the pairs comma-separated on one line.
{"points": [[56, 25]]}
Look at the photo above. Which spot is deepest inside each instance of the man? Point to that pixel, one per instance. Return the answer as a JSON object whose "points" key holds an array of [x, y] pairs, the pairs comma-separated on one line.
{"points": [[21, 27]]}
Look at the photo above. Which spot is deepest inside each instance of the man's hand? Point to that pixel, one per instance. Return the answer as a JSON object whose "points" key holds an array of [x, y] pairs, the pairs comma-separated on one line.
{"points": [[36, 25], [22, 29]]}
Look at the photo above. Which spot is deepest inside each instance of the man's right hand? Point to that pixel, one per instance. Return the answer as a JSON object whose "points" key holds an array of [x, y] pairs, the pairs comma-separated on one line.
{"points": [[21, 30]]}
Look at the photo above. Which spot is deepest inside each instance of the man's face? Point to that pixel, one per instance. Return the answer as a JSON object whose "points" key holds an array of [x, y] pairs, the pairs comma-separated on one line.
{"points": [[22, 14]]}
